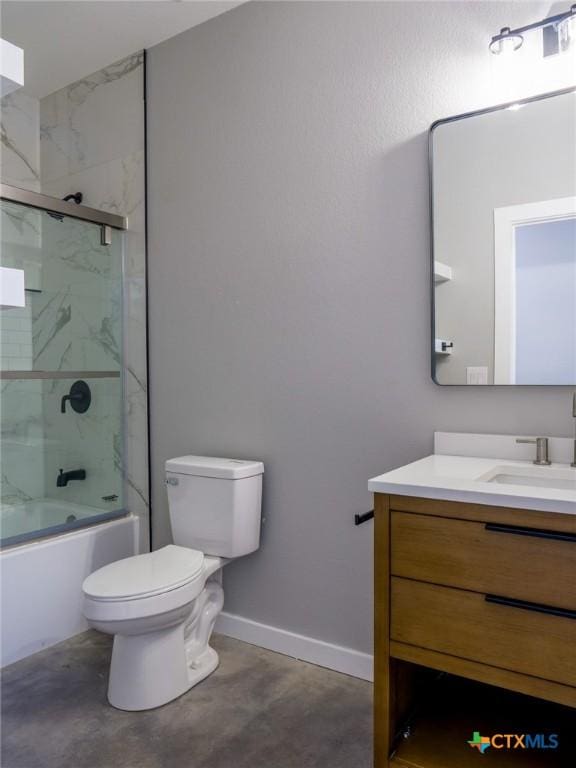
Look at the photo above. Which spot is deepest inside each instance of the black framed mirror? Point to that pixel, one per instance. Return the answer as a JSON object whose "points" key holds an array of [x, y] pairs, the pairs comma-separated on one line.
{"points": [[503, 213]]}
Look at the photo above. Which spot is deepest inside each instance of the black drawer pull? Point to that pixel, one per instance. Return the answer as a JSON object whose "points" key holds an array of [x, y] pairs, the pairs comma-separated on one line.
{"points": [[526, 606], [537, 533]]}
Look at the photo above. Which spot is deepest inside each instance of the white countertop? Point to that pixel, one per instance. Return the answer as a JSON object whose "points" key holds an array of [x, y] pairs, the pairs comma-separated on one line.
{"points": [[456, 478]]}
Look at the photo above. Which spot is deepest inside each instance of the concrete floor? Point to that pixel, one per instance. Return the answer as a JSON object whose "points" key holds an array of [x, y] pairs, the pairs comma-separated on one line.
{"points": [[258, 710]]}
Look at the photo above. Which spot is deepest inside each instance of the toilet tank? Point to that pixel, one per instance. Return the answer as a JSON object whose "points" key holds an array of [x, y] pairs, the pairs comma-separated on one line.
{"points": [[215, 504]]}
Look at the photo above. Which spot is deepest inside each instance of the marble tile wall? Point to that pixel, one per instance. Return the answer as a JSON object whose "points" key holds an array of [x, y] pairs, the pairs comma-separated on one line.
{"points": [[77, 326], [20, 140], [23, 446], [21, 402], [16, 339], [91, 139]]}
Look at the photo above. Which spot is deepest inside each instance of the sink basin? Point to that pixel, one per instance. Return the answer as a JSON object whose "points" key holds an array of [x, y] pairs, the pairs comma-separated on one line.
{"points": [[563, 479]]}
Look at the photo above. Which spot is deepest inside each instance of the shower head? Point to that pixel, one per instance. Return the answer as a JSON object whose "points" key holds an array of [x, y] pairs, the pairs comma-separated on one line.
{"points": [[75, 196]]}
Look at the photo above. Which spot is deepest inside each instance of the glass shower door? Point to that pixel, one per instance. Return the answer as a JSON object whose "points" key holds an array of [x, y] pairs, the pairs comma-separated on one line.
{"points": [[61, 449]]}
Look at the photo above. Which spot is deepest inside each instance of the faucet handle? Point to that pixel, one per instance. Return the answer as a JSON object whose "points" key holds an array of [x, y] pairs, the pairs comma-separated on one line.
{"points": [[541, 444]]}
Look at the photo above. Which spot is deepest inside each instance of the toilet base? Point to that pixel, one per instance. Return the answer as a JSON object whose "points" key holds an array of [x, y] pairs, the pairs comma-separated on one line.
{"points": [[204, 666], [151, 669]]}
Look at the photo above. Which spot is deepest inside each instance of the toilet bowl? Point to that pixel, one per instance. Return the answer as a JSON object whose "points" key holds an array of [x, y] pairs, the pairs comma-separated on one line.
{"points": [[161, 606]]}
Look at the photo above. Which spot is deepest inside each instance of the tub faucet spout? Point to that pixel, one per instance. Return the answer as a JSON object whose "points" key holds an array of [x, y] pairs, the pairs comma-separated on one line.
{"points": [[64, 477]]}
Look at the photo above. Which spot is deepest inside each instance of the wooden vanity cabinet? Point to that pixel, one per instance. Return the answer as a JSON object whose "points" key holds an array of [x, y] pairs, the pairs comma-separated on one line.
{"points": [[484, 594]]}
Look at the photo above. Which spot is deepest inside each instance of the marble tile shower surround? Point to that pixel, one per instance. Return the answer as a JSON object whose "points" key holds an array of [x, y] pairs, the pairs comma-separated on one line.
{"points": [[22, 476], [74, 323], [93, 121], [77, 315], [20, 140], [21, 403], [77, 325], [91, 139]]}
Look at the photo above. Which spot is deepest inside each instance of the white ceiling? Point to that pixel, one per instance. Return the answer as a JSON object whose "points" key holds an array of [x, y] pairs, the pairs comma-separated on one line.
{"points": [[65, 41]]}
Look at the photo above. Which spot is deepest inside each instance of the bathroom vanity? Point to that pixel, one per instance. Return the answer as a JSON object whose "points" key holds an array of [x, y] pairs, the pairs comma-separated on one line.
{"points": [[475, 606]]}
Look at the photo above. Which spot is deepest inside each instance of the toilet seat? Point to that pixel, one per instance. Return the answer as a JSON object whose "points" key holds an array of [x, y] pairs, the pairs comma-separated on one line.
{"points": [[145, 576], [185, 584]]}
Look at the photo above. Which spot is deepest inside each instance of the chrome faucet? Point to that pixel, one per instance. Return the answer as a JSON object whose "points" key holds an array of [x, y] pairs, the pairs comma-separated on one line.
{"points": [[541, 444]]}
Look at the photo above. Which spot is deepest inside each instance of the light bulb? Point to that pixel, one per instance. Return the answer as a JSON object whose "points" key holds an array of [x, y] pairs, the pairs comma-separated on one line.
{"points": [[567, 32]]}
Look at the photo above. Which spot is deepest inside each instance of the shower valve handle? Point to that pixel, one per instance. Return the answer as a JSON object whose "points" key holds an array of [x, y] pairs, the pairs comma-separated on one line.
{"points": [[79, 398], [73, 398]]}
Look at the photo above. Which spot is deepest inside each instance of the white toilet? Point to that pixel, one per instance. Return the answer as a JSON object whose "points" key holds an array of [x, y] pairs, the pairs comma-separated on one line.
{"points": [[161, 606]]}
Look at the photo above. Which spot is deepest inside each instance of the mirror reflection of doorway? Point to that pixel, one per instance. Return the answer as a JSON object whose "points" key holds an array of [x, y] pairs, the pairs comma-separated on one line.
{"points": [[535, 293], [546, 302]]}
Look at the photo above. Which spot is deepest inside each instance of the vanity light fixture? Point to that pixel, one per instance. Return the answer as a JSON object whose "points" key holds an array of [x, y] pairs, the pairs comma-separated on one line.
{"points": [[567, 30], [558, 31], [506, 41]]}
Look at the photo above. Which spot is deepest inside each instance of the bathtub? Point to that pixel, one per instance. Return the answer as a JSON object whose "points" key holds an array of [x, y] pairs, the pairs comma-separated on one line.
{"points": [[41, 580], [43, 517]]}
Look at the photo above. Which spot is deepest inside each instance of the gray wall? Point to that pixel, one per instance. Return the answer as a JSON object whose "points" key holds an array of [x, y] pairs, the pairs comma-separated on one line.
{"points": [[289, 297]]}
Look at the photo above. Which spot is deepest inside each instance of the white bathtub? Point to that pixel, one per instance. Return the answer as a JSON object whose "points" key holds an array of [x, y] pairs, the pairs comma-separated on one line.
{"points": [[41, 582]]}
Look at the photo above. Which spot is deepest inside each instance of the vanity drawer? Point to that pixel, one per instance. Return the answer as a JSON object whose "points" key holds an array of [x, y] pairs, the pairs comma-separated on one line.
{"points": [[472, 626], [516, 561]]}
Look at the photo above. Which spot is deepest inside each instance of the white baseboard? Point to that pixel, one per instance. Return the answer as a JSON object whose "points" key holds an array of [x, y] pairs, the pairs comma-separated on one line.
{"points": [[309, 649]]}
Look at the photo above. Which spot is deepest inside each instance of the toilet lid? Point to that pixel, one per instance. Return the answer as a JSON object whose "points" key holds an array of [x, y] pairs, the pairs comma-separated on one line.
{"points": [[145, 575]]}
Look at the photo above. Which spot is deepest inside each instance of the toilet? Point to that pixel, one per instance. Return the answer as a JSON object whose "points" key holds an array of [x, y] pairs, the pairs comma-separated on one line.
{"points": [[161, 606]]}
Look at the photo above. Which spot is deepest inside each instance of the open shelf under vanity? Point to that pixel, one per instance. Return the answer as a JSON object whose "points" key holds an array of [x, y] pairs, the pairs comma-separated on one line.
{"points": [[448, 710]]}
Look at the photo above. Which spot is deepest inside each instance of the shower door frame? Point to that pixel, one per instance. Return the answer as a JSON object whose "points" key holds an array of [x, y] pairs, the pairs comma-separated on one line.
{"points": [[55, 205]]}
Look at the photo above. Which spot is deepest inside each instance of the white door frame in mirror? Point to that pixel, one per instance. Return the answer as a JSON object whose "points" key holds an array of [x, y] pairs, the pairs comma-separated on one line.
{"points": [[506, 219]]}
